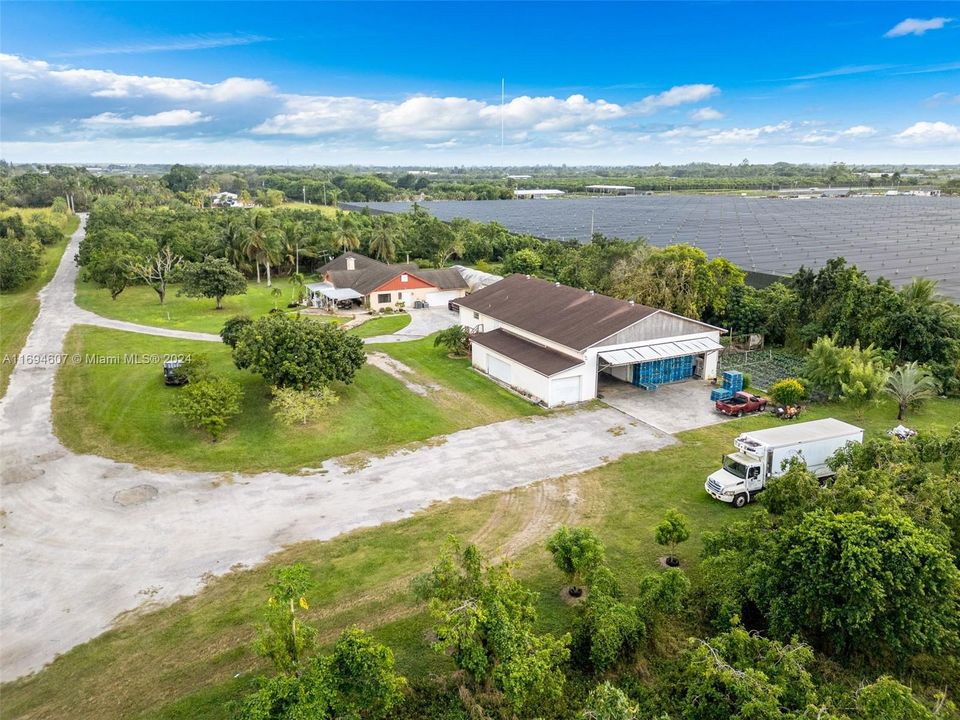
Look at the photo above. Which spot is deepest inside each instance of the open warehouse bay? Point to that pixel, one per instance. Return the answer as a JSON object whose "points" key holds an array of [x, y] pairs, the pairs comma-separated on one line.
{"points": [[894, 237]]}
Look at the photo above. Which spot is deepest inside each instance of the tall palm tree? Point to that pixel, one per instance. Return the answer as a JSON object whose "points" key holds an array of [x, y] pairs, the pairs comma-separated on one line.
{"points": [[344, 233], [263, 242], [910, 385], [922, 294], [234, 241], [383, 239]]}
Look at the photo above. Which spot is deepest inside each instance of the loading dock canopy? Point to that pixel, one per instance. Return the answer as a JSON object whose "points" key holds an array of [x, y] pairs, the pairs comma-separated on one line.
{"points": [[658, 351], [333, 293]]}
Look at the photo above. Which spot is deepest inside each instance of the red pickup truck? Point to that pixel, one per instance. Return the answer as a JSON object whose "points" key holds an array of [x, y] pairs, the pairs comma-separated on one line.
{"points": [[740, 404]]}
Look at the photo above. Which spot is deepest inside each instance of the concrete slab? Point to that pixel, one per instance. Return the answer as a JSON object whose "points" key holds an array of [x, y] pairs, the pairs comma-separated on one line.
{"points": [[670, 408]]}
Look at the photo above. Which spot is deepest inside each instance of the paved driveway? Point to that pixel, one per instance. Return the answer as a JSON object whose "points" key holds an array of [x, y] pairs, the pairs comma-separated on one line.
{"points": [[423, 322], [671, 408], [85, 538]]}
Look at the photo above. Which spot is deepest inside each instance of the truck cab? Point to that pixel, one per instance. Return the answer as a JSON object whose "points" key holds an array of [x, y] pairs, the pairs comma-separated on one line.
{"points": [[739, 477]]}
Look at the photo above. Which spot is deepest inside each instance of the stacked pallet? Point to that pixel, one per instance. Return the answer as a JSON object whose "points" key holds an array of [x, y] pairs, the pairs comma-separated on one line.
{"points": [[732, 384]]}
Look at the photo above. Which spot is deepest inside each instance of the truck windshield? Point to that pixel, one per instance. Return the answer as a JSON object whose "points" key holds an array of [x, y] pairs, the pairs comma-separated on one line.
{"points": [[734, 467]]}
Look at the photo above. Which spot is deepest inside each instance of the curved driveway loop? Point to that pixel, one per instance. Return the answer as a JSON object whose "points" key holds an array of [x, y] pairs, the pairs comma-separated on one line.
{"points": [[84, 538]]}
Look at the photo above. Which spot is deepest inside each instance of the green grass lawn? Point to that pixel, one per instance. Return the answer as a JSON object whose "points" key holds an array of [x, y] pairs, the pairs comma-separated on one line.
{"points": [[327, 210], [19, 308], [122, 411], [383, 325], [139, 304], [181, 661]]}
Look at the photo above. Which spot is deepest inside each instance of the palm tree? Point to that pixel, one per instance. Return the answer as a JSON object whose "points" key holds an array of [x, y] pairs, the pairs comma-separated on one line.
{"points": [[910, 385], [344, 234], [235, 236], [263, 242], [383, 239]]}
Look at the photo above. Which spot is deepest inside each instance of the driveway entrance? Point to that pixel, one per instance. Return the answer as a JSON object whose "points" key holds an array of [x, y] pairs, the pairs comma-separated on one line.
{"points": [[672, 408]]}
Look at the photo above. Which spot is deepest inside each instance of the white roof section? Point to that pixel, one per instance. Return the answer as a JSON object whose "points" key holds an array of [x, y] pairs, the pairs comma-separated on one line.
{"points": [[802, 432], [537, 193], [610, 187], [476, 279], [329, 291], [659, 351]]}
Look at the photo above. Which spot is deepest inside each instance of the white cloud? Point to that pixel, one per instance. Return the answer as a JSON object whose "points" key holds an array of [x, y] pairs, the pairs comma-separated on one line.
{"points": [[916, 26], [929, 133], [677, 95], [706, 113], [739, 136], [842, 71], [196, 41], [829, 137], [168, 118], [306, 116], [942, 98], [108, 84]]}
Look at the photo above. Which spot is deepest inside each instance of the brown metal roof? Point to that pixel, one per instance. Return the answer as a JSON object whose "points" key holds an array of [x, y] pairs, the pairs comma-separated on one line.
{"points": [[569, 316], [544, 360], [443, 278]]}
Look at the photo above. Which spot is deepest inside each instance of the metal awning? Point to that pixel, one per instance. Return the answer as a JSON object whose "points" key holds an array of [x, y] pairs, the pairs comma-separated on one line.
{"points": [[658, 351], [329, 291]]}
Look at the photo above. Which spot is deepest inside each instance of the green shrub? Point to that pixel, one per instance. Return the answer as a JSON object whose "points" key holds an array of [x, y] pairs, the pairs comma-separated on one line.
{"points": [[299, 407], [232, 329], [19, 261], [789, 391], [208, 404]]}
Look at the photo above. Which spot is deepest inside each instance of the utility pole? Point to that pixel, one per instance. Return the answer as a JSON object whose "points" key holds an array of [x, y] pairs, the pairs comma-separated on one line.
{"points": [[298, 258], [304, 194], [591, 224], [324, 193]]}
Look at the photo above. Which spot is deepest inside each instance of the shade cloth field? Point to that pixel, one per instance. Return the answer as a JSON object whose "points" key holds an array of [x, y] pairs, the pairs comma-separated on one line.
{"points": [[897, 237]]}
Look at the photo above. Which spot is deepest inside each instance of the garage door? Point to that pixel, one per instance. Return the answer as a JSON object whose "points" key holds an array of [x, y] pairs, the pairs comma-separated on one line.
{"points": [[498, 368], [441, 298], [565, 390]]}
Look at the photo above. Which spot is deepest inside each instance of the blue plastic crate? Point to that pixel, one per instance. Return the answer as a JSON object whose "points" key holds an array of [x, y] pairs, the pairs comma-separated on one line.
{"points": [[720, 394], [733, 380]]}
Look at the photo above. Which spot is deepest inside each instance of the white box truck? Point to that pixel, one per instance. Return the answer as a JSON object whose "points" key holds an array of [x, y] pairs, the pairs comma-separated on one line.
{"points": [[761, 455]]}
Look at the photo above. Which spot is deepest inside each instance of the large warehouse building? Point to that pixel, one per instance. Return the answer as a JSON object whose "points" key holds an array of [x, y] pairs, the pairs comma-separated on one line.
{"points": [[550, 341]]}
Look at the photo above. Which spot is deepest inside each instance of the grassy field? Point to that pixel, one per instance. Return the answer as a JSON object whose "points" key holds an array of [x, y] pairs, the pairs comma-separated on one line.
{"points": [[327, 210], [190, 659], [123, 412], [19, 308], [139, 304], [384, 325]]}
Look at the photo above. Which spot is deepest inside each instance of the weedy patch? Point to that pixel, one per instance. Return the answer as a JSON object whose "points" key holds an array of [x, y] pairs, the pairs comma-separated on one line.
{"points": [[617, 430]]}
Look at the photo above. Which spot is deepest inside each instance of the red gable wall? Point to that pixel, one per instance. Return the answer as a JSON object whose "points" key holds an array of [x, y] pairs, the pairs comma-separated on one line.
{"points": [[413, 283]]}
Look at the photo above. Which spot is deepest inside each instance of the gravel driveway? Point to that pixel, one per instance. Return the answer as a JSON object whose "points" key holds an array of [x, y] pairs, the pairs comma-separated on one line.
{"points": [[84, 538]]}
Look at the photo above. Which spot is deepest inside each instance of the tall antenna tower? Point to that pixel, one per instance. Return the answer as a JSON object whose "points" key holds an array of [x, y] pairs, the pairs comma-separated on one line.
{"points": [[502, 95]]}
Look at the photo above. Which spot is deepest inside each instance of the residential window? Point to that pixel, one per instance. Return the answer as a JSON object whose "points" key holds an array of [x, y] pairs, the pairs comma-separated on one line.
{"points": [[404, 277], [476, 316], [383, 298]]}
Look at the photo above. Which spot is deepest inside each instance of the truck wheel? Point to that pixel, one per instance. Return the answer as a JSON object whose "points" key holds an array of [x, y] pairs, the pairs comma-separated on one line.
{"points": [[740, 500], [740, 413]]}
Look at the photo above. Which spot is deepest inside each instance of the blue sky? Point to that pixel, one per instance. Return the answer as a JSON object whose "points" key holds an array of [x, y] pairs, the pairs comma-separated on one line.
{"points": [[419, 83]]}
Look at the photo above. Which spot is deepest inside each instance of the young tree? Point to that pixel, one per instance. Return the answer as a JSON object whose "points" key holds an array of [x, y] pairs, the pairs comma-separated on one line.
{"points": [[156, 270], [485, 621], [910, 385], [19, 261], [299, 407], [110, 269], [577, 552], [886, 698], [608, 702], [524, 261], [864, 380], [298, 287], [208, 404], [672, 530], [383, 239], [298, 353], [212, 278], [607, 628], [283, 637], [455, 339]]}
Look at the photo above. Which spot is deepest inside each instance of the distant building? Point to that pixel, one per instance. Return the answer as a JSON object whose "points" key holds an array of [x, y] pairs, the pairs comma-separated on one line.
{"points": [[225, 199], [537, 193], [612, 189]]}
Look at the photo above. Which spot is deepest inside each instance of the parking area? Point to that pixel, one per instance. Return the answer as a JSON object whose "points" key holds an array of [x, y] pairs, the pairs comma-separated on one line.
{"points": [[671, 408]]}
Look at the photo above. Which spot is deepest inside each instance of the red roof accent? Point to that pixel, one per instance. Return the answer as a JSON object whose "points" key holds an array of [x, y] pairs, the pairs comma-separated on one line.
{"points": [[413, 283]]}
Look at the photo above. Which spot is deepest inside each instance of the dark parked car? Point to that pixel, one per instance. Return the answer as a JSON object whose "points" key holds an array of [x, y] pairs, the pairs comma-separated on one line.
{"points": [[741, 403]]}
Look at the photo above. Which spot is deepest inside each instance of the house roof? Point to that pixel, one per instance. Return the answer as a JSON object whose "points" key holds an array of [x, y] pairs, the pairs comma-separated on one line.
{"points": [[443, 278], [340, 262], [544, 360], [571, 317]]}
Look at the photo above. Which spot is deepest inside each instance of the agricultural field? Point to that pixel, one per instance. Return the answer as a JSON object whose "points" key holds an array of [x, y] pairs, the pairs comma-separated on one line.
{"points": [[765, 367], [191, 659], [123, 412], [19, 308]]}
